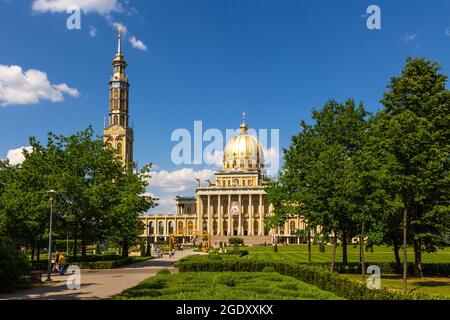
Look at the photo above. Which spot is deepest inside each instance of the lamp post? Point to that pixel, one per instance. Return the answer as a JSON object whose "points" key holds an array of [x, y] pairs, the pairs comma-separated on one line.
{"points": [[52, 195]]}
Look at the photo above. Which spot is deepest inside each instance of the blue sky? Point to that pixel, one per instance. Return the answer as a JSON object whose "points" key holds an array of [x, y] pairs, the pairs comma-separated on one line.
{"points": [[204, 60]]}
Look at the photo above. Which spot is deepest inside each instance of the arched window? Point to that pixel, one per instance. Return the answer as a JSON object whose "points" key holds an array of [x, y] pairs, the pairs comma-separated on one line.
{"points": [[292, 227], [190, 227], [215, 227], [180, 226], [255, 227], [119, 148], [225, 226], [161, 228], [151, 228], [171, 226]]}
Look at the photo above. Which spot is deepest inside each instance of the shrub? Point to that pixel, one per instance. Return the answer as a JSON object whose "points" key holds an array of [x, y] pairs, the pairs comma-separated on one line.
{"points": [[236, 241], [141, 293], [313, 274], [268, 269], [163, 272], [225, 279], [14, 269], [214, 256]]}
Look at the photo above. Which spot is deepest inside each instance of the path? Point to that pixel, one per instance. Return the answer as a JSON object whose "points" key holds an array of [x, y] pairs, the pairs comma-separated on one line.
{"points": [[98, 284]]}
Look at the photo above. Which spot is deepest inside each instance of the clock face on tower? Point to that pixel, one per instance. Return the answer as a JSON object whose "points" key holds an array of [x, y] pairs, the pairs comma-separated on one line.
{"points": [[116, 84]]}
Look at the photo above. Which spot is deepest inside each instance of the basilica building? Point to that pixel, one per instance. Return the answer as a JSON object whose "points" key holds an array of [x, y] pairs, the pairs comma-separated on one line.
{"points": [[233, 205]]}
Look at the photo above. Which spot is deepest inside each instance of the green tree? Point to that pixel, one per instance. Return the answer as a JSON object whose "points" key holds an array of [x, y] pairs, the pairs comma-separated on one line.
{"points": [[131, 200], [410, 141], [317, 164]]}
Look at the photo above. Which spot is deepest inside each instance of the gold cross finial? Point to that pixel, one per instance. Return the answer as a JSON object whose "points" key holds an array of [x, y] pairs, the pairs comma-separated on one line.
{"points": [[244, 124]]}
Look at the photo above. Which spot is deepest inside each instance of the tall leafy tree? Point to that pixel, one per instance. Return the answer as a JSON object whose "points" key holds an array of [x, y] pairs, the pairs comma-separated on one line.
{"points": [[410, 139]]}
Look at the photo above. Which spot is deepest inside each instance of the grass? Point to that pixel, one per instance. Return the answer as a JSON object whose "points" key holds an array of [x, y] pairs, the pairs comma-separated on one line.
{"points": [[225, 286], [299, 253], [429, 285]]}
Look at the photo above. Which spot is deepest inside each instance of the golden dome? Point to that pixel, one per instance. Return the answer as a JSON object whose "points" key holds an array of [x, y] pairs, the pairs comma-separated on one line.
{"points": [[243, 152]]}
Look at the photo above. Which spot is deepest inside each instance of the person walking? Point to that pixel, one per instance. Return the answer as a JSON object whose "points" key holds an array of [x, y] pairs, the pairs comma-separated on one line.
{"points": [[53, 263], [62, 263]]}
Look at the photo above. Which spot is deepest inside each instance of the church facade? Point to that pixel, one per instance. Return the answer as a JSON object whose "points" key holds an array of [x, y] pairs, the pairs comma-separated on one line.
{"points": [[235, 204]]}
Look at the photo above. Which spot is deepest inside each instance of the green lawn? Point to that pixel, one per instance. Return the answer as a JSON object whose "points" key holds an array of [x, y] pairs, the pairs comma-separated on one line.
{"points": [[299, 253], [430, 285], [225, 286]]}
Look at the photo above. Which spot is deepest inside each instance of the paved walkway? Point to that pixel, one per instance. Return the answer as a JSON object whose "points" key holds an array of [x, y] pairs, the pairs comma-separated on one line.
{"points": [[98, 284]]}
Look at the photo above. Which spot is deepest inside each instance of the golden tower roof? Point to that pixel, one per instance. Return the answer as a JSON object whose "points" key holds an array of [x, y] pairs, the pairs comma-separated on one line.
{"points": [[243, 152]]}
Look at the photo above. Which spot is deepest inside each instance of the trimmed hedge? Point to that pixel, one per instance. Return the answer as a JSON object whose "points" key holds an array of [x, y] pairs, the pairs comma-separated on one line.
{"points": [[429, 269], [315, 275], [107, 264], [14, 269]]}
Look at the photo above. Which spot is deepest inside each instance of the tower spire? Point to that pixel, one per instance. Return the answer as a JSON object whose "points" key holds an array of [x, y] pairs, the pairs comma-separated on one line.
{"points": [[119, 48]]}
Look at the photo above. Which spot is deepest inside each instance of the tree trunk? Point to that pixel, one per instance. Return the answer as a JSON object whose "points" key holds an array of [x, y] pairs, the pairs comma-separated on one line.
{"points": [[418, 258], [405, 253], [344, 249], [333, 261], [83, 249], [397, 252], [125, 248], [33, 249], [309, 246], [361, 248], [38, 251], [75, 241], [149, 248]]}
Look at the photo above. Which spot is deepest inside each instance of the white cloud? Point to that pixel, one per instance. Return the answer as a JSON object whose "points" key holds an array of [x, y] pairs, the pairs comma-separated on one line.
{"points": [[215, 159], [447, 31], [118, 26], [272, 161], [102, 7], [15, 156], [138, 44], [410, 37], [92, 31], [166, 185], [178, 180], [29, 87]]}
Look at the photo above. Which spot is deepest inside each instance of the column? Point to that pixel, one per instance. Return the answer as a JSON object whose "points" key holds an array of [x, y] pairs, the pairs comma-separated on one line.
{"points": [[219, 218], [261, 219], [166, 228], [250, 215], [230, 224], [199, 214], [209, 214], [240, 216]]}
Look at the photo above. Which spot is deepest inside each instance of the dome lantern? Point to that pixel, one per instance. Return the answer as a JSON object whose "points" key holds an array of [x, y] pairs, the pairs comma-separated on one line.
{"points": [[243, 152]]}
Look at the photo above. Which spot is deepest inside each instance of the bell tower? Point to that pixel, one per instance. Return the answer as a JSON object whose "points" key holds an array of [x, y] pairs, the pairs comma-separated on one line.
{"points": [[117, 133]]}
